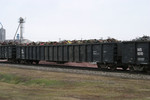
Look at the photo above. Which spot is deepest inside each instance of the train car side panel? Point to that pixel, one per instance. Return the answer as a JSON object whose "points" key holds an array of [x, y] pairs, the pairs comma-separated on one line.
{"points": [[89, 53], [142, 53], [22, 52], [82, 53], [97, 53], [60, 53], [109, 53], [51, 53], [18, 52], [27, 52], [34, 52], [6, 52], [38, 53], [55, 53], [128, 53], [66, 53], [30, 53], [46, 53], [42, 52], [0, 52], [71, 53], [76, 53]]}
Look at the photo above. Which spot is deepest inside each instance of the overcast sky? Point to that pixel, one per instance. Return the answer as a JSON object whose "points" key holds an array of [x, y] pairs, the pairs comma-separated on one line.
{"points": [[49, 20]]}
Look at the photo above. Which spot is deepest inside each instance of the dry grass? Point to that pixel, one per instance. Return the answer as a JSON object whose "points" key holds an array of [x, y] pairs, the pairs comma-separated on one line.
{"points": [[24, 84]]}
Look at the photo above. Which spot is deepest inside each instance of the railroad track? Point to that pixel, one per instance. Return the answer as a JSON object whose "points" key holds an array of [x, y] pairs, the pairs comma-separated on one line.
{"points": [[80, 70]]}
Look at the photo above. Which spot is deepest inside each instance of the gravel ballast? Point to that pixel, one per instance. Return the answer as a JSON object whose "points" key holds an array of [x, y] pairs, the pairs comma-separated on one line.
{"points": [[81, 71]]}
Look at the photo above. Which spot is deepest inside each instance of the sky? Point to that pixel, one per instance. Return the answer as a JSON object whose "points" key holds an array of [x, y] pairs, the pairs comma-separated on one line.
{"points": [[52, 20]]}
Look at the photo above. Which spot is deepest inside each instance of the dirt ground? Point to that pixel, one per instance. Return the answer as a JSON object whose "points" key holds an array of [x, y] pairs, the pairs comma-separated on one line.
{"points": [[25, 84]]}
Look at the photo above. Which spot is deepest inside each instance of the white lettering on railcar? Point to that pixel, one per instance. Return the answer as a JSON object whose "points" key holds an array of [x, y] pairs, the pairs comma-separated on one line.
{"points": [[22, 51], [139, 49], [104, 51], [95, 53], [140, 53], [140, 59]]}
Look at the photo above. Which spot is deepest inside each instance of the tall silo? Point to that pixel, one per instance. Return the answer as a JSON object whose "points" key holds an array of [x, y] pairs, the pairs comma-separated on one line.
{"points": [[2, 34]]}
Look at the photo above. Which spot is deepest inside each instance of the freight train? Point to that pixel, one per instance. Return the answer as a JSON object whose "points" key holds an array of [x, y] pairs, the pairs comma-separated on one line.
{"points": [[130, 55]]}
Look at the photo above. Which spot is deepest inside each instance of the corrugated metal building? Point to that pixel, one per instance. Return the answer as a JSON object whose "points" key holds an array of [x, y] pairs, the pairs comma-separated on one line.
{"points": [[2, 34]]}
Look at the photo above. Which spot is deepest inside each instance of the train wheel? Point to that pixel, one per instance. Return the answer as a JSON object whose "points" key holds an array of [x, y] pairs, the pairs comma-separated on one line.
{"points": [[131, 68], [37, 62], [27, 62], [31, 62], [146, 69], [99, 66], [106, 67], [113, 67], [124, 68], [18, 61]]}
